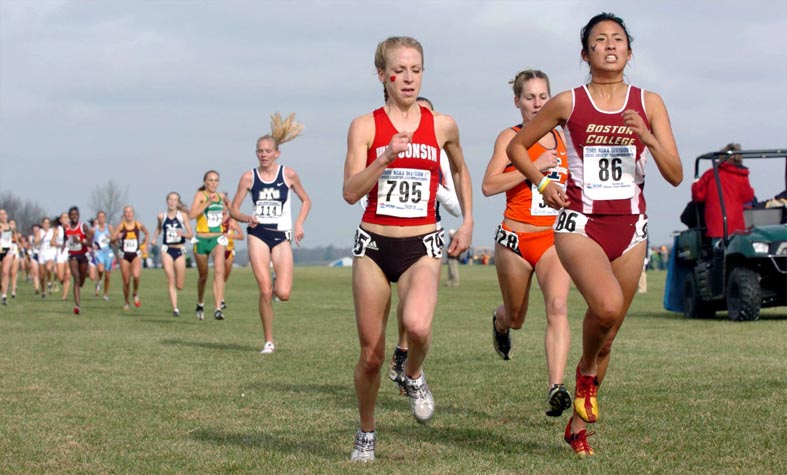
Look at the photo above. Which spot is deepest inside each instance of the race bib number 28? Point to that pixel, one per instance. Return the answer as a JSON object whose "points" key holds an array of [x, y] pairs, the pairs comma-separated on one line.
{"points": [[403, 192]]}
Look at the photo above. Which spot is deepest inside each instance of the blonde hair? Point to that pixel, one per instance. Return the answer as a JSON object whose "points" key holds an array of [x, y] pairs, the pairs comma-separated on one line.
{"points": [[282, 130], [524, 76], [391, 43]]}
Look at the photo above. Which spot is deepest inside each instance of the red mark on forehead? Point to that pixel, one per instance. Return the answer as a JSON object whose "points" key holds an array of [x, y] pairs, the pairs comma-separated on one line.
{"points": [[393, 78]]}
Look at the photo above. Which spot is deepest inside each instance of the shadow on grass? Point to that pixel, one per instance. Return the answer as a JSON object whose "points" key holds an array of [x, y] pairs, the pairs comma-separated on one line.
{"points": [[462, 438], [387, 399], [322, 444], [206, 345]]}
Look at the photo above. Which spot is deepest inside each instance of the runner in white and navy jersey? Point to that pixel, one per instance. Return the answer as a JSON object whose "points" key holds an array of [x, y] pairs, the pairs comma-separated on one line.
{"points": [[175, 229], [270, 187]]}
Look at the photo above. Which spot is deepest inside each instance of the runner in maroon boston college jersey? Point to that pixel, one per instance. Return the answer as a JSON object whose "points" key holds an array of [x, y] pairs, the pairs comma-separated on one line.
{"points": [[78, 239], [393, 156], [600, 234]]}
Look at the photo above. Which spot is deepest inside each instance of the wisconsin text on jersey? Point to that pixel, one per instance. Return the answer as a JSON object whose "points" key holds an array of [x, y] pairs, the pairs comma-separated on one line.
{"points": [[415, 150], [618, 130]]}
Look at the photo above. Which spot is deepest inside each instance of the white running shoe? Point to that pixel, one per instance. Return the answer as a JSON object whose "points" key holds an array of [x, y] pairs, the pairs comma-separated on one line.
{"points": [[363, 450], [421, 400], [268, 348]]}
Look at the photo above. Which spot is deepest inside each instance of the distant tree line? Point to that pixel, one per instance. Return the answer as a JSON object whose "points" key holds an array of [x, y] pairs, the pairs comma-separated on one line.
{"points": [[109, 197], [25, 212]]}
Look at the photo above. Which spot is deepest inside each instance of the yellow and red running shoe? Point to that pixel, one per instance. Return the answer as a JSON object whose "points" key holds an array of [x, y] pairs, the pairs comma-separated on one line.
{"points": [[579, 441], [585, 400]]}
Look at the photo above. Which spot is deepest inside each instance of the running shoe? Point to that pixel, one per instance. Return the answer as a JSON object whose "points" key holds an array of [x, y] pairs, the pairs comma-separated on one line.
{"points": [[396, 370], [421, 400], [363, 449], [176, 313], [5, 300], [585, 397], [126, 307], [76, 309], [106, 298], [501, 341], [223, 305], [218, 315], [98, 289], [267, 348], [559, 399], [13, 295], [579, 441], [137, 303], [200, 311]]}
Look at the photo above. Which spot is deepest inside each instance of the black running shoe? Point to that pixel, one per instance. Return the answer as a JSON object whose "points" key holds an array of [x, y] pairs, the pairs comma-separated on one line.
{"points": [[501, 341], [396, 370], [223, 305], [559, 400], [218, 315], [200, 312]]}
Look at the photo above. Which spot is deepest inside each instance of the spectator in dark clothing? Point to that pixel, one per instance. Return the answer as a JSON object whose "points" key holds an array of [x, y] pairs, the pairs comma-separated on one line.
{"points": [[735, 188]]}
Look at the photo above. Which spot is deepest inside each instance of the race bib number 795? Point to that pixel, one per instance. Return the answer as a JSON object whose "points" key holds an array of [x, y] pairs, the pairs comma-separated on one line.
{"points": [[403, 192]]}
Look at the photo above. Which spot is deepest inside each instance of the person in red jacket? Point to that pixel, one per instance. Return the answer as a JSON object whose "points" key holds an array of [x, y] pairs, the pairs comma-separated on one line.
{"points": [[735, 189]]}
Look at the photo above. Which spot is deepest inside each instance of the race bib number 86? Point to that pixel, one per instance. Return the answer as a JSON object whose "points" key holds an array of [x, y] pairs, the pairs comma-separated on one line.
{"points": [[609, 172], [570, 222]]}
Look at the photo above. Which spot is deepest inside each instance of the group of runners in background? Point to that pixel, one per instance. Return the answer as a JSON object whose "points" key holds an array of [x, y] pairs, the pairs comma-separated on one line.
{"points": [[75, 250], [573, 174]]}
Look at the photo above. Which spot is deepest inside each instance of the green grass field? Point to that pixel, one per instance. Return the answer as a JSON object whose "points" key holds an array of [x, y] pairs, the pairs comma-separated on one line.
{"points": [[143, 392]]}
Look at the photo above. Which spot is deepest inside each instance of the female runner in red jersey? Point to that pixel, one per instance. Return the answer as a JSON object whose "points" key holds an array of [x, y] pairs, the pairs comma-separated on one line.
{"points": [[78, 238], [601, 232], [393, 155], [524, 241]]}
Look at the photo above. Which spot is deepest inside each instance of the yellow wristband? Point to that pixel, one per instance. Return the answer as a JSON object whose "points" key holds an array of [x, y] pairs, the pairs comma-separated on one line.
{"points": [[543, 184]]}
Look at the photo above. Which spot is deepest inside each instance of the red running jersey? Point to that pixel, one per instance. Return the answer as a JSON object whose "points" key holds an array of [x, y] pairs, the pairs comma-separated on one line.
{"points": [[406, 191], [75, 239]]}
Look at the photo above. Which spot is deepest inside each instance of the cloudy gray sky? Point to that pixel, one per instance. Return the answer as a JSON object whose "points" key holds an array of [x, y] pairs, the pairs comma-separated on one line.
{"points": [[151, 94]]}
